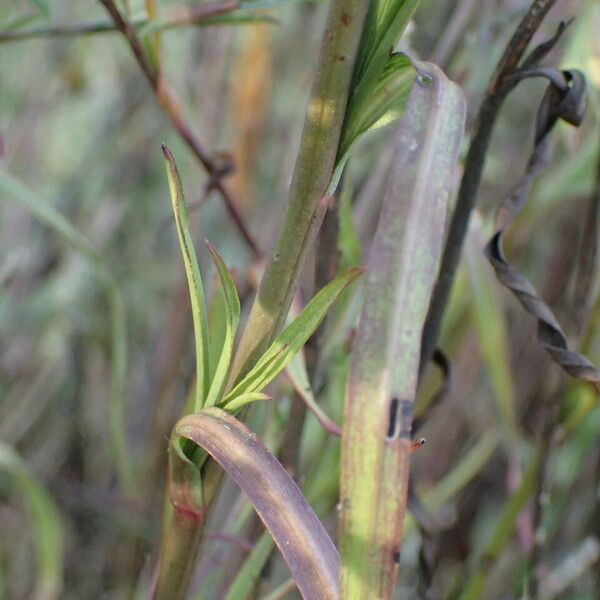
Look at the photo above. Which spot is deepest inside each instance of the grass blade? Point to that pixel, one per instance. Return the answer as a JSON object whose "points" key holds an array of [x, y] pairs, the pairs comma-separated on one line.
{"points": [[300, 536], [243, 585], [44, 514], [501, 532], [192, 272], [385, 358]]}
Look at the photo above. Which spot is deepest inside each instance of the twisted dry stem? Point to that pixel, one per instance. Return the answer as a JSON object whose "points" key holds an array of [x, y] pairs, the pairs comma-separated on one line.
{"points": [[563, 101], [496, 92]]}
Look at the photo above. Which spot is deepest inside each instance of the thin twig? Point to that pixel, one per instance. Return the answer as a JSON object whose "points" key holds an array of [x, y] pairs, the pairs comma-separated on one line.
{"points": [[170, 104], [496, 92]]}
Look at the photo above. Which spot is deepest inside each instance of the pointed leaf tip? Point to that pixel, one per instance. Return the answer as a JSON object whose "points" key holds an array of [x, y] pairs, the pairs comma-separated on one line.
{"points": [[193, 276], [211, 247]]}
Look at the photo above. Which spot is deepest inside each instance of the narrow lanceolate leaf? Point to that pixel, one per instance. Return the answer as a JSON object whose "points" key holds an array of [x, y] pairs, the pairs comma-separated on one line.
{"points": [[232, 316], [300, 536], [192, 272], [376, 440], [293, 337], [46, 521]]}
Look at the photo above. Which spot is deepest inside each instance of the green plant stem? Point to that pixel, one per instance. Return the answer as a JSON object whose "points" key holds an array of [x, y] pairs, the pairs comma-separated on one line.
{"points": [[306, 205], [496, 92], [178, 555]]}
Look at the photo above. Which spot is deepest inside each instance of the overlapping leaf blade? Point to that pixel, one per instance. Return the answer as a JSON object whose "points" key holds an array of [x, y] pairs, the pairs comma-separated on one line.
{"points": [[238, 402], [383, 103], [381, 80], [231, 304], [386, 21]]}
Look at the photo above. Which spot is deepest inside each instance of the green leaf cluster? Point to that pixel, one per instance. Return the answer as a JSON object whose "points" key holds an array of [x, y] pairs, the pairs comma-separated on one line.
{"points": [[211, 380]]}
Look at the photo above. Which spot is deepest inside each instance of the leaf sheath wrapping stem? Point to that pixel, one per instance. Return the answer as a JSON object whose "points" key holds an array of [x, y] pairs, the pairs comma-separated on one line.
{"points": [[381, 387]]}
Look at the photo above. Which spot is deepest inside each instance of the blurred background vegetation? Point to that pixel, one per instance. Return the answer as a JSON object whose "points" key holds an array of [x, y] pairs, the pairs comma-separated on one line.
{"points": [[93, 292]]}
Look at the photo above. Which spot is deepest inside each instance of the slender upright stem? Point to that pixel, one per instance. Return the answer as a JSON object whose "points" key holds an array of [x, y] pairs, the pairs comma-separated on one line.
{"points": [[171, 106], [496, 91], [312, 174]]}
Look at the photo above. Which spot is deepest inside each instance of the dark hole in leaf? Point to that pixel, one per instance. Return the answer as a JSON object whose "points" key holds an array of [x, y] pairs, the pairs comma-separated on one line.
{"points": [[392, 432]]}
